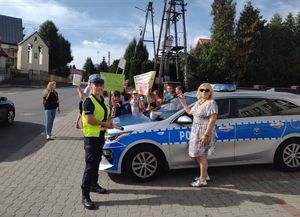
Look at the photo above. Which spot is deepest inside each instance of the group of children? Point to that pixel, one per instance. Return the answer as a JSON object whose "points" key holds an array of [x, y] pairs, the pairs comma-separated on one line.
{"points": [[129, 102], [135, 103]]}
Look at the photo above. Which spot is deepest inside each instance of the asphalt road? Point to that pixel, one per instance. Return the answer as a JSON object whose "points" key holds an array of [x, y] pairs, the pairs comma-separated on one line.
{"points": [[30, 119]]}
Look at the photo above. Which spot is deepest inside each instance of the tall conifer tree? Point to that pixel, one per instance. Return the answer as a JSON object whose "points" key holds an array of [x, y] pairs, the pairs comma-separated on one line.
{"points": [[222, 39], [249, 52]]}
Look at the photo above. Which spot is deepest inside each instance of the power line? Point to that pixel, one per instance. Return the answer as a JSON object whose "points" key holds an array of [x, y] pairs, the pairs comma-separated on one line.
{"points": [[78, 4]]}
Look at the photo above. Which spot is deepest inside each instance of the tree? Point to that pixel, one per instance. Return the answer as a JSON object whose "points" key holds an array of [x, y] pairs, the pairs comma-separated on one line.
{"points": [[114, 66], [199, 67], [135, 55], [49, 33], [248, 52], [282, 46], [291, 56], [130, 51], [147, 66], [297, 47], [89, 68], [59, 49], [103, 67], [141, 52], [135, 69], [65, 56], [222, 39], [127, 70]]}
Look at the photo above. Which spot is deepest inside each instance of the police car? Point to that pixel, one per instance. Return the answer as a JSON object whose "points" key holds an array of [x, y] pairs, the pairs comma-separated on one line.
{"points": [[253, 127]]}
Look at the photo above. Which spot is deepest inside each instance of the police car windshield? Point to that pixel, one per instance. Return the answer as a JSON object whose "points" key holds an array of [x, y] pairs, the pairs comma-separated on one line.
{"points": [[168, 109]]}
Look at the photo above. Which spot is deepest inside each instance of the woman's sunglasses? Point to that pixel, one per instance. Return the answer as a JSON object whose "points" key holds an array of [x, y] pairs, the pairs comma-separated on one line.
{"points": [[204, 90]]}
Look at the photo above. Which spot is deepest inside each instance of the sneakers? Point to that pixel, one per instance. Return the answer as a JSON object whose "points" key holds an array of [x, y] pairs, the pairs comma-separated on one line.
{"points": [[207, 178], [199, 183], [48, 137]]}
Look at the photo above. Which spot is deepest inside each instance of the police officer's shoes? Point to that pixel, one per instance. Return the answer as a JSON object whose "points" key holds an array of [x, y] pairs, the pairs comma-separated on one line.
{"points": [[87, 202], [98, 189]]}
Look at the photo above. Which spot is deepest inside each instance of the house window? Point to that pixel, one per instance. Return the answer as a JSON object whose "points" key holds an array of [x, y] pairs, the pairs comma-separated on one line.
{"points": [[29, 53], [40, 55], [35, 55]]}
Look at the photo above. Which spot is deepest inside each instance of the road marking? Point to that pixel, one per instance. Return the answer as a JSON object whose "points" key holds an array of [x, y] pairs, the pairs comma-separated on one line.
{"points": [[27, 114], [12, 93]]}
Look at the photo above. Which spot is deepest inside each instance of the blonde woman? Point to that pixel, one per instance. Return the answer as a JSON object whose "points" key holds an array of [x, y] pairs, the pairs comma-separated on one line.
{"points": [[51, 104], [202, 137]]}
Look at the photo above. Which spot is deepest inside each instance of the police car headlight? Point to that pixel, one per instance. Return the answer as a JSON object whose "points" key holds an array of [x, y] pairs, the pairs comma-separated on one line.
{"points": [[116, 137]]}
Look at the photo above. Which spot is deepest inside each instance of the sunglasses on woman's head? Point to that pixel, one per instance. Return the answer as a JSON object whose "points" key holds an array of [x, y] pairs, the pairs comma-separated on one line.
{"points": [[204, 90]]}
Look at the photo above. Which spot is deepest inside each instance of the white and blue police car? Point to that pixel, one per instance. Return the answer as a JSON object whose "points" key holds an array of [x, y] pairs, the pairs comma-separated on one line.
{"points": [[253, 127]]}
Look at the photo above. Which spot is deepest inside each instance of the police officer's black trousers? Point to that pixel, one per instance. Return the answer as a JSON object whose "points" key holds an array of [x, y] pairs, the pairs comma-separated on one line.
{"points": [[93, 152]]}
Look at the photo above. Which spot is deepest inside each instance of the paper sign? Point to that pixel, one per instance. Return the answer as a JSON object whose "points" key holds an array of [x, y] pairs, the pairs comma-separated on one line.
{"points": [[113, 81], [77, 79], [122, 63], [144, 82]]}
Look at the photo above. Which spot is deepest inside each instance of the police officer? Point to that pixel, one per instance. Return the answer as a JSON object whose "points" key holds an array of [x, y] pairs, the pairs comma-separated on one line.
{"points": [[95, 121]]}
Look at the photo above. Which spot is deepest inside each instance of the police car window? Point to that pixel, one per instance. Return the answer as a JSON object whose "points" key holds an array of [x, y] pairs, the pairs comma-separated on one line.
{"points": [[253, 107], [168, 109], [283, 107], [223, 108]]}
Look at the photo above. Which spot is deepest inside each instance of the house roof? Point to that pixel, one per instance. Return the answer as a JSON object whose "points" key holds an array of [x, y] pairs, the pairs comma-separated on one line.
{"points": [[11, 29], [31, 36], [202, 41]]}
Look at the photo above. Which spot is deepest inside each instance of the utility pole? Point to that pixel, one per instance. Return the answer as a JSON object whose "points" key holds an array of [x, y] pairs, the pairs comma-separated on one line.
{"points": [[174, 19], [185, 45], [161, 28], [149, 9], [163, 51], [172, 14]]}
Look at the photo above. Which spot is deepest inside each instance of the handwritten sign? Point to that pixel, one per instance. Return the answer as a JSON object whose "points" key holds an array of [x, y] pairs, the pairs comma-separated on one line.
{"points": [[113, 81], [144, 82]]}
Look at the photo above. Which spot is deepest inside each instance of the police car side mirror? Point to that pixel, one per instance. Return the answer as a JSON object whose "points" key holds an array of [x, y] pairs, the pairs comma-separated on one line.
{"points": [[184, 120], [154, 115]]}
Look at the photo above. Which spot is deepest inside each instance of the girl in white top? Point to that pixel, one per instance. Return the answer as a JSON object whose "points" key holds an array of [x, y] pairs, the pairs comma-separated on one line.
{"points": [[136, 104]]}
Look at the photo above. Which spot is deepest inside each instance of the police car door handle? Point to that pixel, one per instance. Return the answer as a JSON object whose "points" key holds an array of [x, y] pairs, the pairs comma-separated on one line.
{"points": [[225, 128], [277, 124], [256, 131], [161, 133]]}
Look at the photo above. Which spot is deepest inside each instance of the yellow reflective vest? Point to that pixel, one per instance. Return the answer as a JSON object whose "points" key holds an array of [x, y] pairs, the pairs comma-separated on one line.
{"points": [[94, 130]]}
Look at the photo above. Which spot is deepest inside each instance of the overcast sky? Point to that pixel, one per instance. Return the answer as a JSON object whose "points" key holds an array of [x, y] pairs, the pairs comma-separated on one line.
{"points": [[95, 27]]}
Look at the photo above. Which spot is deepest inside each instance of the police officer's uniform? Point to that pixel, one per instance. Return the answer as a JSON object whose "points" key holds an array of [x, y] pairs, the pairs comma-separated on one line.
{"points": [[93, 144]]}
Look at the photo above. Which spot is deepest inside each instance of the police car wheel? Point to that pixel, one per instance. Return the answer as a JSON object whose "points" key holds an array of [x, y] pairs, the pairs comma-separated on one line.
{"points": [[287, 156], [10, 117], [143, 163]]}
